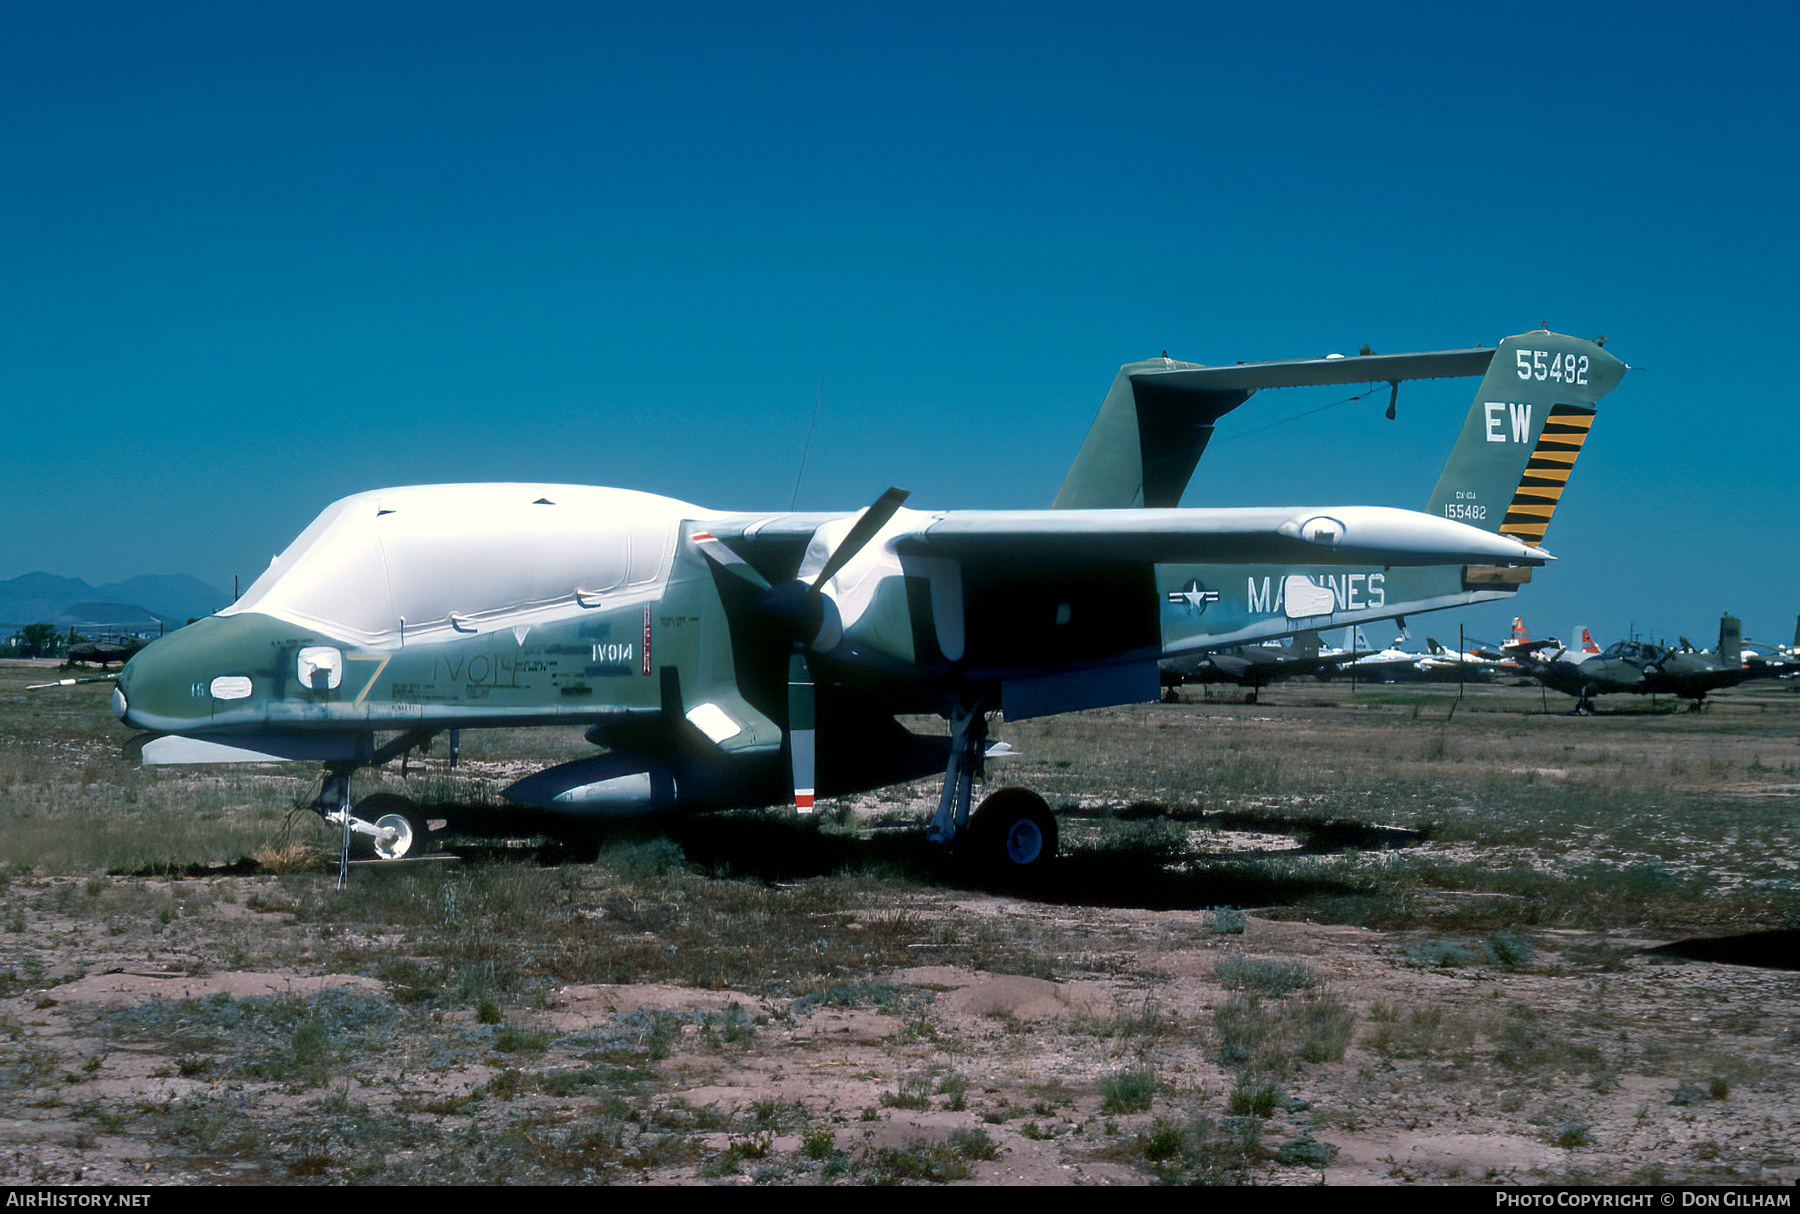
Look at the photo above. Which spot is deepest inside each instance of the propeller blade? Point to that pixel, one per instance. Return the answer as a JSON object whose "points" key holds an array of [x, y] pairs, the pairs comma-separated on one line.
{"points": [[800, 730], [714, 549], [873, 520]]}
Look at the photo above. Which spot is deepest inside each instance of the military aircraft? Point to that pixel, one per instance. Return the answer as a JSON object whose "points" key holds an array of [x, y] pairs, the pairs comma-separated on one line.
{"points": [[1513, 658], [728, 659], [1773, 661], [1520, 643], [105, 651], [1583, 647], [1390, 665], [1442, 662], [1640, 668], [1256, 666]]}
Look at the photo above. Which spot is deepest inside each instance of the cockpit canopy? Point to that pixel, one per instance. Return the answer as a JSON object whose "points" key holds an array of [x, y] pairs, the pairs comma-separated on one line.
{"points": [[1635, 651], [429, 562]]}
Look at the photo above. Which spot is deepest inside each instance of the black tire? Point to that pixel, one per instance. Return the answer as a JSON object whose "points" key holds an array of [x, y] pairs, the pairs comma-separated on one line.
{"points": [[1013, 833], [392, 811]]}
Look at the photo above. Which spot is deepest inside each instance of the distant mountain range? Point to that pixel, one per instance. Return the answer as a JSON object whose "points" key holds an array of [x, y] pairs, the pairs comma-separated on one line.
{"points": [[66, 601]]}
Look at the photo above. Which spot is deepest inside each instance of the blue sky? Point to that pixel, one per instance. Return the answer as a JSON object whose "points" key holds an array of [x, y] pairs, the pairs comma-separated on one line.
{"points": [[257, 257]]}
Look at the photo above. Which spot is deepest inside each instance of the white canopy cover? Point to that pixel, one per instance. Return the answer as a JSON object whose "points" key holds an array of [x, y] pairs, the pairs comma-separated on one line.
{"points": [[433, 562]]}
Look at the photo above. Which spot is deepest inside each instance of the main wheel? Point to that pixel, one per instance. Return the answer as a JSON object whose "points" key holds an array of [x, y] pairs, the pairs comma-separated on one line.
{"points": [[402, 827], [1013, 833]]}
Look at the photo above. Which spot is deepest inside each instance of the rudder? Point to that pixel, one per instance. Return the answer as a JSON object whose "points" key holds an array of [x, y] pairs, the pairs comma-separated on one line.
{"points": [[1523, 433]]}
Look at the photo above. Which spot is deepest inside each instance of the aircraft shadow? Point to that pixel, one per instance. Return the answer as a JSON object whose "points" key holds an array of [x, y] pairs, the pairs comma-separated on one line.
{"points": [[1774, 950], [762, 847]]}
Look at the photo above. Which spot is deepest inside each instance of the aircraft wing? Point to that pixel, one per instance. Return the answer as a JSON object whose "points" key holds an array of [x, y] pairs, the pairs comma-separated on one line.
{"points": [[1715, 679], [1322, 535], [1303, 534], [1330, 535]]}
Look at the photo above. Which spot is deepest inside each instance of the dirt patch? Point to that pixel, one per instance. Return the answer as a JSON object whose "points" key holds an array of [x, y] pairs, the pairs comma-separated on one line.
{"points": [[1364, 941], [1597, 1059]]}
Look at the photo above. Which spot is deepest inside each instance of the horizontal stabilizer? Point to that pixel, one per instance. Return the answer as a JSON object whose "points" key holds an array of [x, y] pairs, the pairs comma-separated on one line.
{"points": [[1159, 415], [1319, 372]]}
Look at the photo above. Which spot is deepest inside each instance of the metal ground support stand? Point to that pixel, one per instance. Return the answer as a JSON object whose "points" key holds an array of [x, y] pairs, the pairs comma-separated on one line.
{"points": [[336, 789], [968, 749]]}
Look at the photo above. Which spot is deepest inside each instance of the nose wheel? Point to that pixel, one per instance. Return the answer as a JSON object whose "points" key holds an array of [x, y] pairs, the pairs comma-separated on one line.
{"points": [[399, 829], [392, 825]]}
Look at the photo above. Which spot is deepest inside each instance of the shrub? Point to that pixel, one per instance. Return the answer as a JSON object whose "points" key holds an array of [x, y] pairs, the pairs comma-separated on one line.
{"points": [[1128, 1092], [1254, 1097], [1510, 950], [1236, 972], [1306, 1152], [1439, 954]]}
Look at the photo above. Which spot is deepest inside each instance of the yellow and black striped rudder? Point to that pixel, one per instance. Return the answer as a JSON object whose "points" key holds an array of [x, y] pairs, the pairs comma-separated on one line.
{"points": [[1547, 472]]}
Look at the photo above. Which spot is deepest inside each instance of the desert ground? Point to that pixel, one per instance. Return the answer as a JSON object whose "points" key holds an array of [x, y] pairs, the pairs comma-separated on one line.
{"points": [[1343, 935]]}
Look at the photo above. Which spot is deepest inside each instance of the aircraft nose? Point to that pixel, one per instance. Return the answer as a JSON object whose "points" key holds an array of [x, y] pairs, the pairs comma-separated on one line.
{"points": [[123, 687], [152, 691]]}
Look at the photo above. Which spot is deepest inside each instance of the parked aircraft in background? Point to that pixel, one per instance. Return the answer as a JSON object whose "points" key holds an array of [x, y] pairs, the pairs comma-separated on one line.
{"points": [[107, 651], [1772, 661], [1513, 659], [1256, 666], [1520, 644], [1442, 662], [1760, 661], [1584, 646], [1640, 668], [730, 659], [1390, 665]]}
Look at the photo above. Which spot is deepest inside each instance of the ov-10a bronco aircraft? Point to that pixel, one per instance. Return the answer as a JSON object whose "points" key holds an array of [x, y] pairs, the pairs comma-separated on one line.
{"points": [[728, 659]]}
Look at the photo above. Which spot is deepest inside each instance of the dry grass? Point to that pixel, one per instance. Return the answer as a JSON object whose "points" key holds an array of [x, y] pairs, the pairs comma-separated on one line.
{"points": [[1469, 834]]}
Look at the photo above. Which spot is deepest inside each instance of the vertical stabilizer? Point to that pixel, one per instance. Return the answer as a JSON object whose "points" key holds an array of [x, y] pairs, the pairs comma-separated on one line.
{"points": [[1523, 433], [1582, 646], [1146, 439], [1731, 640]]}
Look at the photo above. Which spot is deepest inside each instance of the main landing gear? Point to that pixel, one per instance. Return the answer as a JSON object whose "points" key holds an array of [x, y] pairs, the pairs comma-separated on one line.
{"points": [[1012, 834]]}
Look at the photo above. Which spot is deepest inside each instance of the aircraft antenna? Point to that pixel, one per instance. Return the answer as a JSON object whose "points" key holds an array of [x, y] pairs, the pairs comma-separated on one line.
{"points": [[1296, 417], [808, 446]]}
